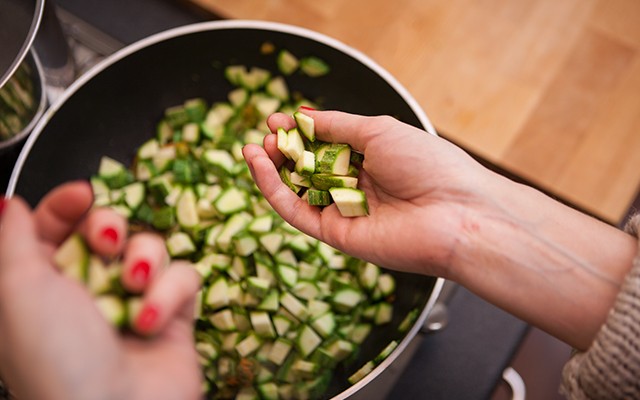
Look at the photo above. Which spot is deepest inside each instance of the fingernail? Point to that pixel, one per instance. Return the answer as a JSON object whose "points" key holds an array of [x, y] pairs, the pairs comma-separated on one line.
{"points": [[3, 203], [140, 272], [147, 318], [110, 234], [307, 108]]}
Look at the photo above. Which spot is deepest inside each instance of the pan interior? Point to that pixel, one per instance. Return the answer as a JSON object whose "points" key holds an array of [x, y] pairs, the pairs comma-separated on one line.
{"points": [[116, 111]]}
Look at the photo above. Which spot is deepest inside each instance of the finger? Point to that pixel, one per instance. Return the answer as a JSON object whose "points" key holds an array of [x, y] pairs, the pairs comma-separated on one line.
{"points": [[144, 256], [57, 215], [105, 231], [340, 127], [171, 296], [19, 244], [280, 120], [271, 147], [286, 203]]}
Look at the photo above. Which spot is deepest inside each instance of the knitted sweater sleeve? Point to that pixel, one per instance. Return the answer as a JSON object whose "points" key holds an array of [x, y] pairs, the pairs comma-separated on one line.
{"points": [[610, 368]]}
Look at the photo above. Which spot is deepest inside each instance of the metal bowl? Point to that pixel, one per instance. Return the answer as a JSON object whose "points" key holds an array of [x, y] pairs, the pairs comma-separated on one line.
{"points": [[33, 105], [113, 109]]}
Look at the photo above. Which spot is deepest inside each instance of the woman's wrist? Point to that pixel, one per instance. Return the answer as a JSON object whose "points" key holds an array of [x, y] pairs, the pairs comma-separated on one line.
{"points": [[542, 261]]}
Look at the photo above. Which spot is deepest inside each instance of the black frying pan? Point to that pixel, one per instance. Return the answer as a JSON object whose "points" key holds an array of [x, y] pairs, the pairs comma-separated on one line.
{"points": [[114, 108]]}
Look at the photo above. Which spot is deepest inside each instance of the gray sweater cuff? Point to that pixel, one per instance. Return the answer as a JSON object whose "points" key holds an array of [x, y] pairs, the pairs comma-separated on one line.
{"points": [[610, 368]]}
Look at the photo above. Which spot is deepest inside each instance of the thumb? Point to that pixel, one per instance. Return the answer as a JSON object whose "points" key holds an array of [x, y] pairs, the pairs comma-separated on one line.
{"points": [[19, 245]]}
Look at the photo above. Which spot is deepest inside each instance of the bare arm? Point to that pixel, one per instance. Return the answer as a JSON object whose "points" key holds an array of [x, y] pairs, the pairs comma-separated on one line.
{"points": [[434, 210]]}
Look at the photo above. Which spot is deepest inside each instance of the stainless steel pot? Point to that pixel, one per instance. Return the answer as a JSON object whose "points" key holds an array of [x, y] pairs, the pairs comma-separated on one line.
{"points": [[22, 92]]}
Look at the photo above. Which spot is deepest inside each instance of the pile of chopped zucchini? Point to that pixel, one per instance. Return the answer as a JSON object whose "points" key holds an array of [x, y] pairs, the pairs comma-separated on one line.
{"points": [[321, 172], [17, 102], [278, 310]]}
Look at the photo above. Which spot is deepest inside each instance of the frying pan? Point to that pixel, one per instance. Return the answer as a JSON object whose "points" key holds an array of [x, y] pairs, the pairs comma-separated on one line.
{"points": [[114, 108]]}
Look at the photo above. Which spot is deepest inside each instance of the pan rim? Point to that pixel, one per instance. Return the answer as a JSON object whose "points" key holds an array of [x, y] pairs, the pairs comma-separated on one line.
{"points": [[259, 25]]}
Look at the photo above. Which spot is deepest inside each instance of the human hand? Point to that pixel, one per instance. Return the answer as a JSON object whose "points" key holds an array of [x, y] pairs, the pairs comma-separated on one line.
{"points": [[54, 344], [420, 189]]}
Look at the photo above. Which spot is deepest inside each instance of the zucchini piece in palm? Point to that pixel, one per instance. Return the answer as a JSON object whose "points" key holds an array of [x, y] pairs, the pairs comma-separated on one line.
{"points": [[318, 197], [351, 202], [306, 164], [306, 125], [335, 160], [328, 181]]}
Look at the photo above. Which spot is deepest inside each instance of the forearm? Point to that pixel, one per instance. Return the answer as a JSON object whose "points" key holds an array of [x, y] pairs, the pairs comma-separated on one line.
{"points": [[542, 261]]}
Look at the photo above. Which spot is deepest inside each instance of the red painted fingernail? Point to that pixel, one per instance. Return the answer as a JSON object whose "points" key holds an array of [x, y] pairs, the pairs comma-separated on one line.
{"points": [[140, 271], [307, 108], [3, 203], [110, 234], [147, 318]]}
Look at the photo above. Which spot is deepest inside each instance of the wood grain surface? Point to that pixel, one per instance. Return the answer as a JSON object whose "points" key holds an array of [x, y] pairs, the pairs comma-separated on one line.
{"points": [[548, 90]]}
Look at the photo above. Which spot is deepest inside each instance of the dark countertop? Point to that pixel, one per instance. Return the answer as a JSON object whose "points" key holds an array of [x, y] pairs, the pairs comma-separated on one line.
{"points": [[463, 361]]}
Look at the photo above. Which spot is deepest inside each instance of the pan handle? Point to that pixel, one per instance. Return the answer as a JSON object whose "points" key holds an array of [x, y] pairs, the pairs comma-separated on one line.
{"points": [[516, 383]]}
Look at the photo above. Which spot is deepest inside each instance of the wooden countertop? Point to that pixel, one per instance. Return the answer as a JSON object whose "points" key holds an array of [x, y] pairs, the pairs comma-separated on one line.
{"points": [[548, 90]]}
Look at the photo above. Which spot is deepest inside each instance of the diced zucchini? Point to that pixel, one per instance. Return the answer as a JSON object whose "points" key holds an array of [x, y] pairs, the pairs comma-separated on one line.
{"points": [[295, 145], [148, 149], [318, 197], [262, 224], [307, 341], [306, 125], [306, 164], [72, 257], [196, 109], [335, 160], [285, 176], [362, 372], [223, 320], [287, 62], [262, 325], [328, 181], [113, 309], [218, 294], [180, 244], [324, 324], [294, 306], [219, 161], [368, 276], [386, 352], [280, 350], [231, 200], [384, 314], [314, 66], [351, 202], [277, 87], [346, 299], [187, 210], [248, 345]]}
